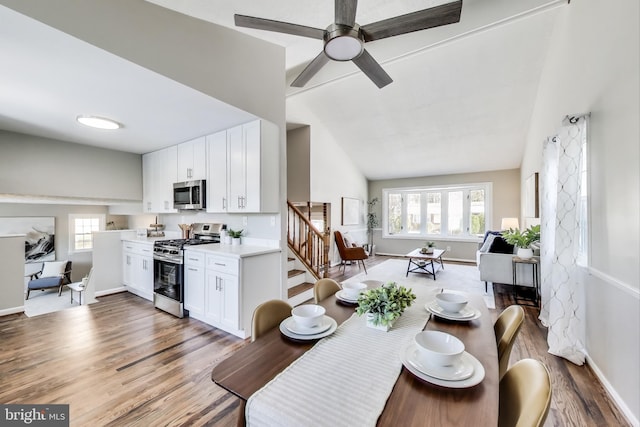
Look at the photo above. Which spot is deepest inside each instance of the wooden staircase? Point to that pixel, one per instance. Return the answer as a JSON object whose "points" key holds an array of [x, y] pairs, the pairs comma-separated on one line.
{"points": [[309, 247]]}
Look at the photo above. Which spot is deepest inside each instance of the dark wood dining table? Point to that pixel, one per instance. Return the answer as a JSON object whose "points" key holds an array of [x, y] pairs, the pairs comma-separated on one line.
{"points": [[413, 402]]}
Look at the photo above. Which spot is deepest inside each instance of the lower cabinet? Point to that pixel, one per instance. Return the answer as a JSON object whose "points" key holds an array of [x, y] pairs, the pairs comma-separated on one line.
{"points": [[137, 268], [222, 300], [223, 290], [194, 283]]}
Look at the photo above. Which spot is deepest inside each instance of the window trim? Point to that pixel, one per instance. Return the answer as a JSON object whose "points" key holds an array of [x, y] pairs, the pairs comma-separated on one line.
{"points": [[72, 226], [486, 186]]}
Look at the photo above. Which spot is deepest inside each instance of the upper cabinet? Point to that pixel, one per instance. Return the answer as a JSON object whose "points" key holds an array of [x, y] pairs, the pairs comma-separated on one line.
{"points": [[159, 172], [192, 160], [241, 166], [243, 172]]}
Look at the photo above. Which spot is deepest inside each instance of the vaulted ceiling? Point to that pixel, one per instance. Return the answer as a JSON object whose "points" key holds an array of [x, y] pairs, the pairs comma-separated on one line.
{"points": [[460, 101]]}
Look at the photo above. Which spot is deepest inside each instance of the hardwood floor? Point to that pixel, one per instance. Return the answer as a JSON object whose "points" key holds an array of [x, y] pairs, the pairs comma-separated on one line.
{"points": [[123, 363]]}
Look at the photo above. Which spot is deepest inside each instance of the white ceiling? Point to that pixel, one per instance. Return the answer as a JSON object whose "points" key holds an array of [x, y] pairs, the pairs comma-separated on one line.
{"points": [[460, 102]]}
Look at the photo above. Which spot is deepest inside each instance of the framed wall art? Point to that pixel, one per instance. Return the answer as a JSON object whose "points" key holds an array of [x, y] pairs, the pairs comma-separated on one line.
{"points": [[350, 211], [531, 197], [39, 234]]}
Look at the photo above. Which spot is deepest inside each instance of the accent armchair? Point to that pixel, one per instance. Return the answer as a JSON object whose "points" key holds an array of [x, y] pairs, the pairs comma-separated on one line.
{"points": [[53, 274], [354, 253]]}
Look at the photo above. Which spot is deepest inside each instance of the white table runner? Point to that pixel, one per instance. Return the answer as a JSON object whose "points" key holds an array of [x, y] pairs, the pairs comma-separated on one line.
{"points": [[345, 379]]}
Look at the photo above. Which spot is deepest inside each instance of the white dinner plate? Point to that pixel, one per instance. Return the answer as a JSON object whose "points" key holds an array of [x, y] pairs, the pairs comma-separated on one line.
{"points": [[291, 325], [340, 295], [408, 354], [461, 370], [464, 315], [286, 332]]}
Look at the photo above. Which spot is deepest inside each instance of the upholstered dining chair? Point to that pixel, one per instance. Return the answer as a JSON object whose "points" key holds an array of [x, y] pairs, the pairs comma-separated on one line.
{"points": [[53, 274], [324, 288], [354, 253], [268, 315], [80, 287], [525, 395], [506, 329]]}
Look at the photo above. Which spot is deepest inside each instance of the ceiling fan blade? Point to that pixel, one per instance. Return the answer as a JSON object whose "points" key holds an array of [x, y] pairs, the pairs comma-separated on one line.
{"points": [[346, 12], [278, 26], [372, 69], [310, 70], [444, 14]]}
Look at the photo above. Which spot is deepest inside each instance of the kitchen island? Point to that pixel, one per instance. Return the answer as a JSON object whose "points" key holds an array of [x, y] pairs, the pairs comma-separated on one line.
{"points": [[225, 283]]}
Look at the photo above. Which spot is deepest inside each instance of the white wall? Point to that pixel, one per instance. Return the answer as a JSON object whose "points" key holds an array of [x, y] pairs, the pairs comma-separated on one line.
{"points": [[12, 283], [38, 166], [82, 261], [593, 67], [334, 176]]}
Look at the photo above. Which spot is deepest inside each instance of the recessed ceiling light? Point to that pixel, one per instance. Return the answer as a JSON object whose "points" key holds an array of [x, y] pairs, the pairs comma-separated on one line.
{"points": [[98, 122]]}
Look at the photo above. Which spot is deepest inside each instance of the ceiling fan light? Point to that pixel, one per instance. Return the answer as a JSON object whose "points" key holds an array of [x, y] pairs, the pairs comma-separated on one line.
{"points": [[98, 122], [343, 48]]}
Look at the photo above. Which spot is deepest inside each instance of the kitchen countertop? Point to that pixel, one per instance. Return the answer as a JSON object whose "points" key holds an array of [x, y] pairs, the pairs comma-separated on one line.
{"points": [[239, 251]]}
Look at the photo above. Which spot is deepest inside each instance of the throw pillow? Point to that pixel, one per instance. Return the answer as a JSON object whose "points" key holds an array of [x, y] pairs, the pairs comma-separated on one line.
{"points": [[486, 246], [491, 233], [347, 240], [53, 268], [500, 246]]}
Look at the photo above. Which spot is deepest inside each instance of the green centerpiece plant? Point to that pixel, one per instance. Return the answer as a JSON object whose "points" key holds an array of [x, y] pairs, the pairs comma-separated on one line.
{"points": [[385, 304], [235, 236]]}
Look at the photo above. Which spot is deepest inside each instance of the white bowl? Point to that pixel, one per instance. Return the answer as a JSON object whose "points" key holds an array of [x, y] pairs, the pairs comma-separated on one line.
{"points": [[438, 348], [353, 290], [308, 315], [451, 302]]}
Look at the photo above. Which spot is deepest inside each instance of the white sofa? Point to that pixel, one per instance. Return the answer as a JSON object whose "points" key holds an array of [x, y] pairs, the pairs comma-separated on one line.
{"points": [[498, 268]]}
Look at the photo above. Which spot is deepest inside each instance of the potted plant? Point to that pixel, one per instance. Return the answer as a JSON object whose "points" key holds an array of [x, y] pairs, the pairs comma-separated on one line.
{"points": [[523, 240], [384, 305], [372, 222], [428, 248], [235, 236]]}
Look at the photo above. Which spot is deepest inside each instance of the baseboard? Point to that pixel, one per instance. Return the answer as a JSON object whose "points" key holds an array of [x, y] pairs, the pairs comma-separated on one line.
{"points": [[12, 310], [110, 291], [612, 392]]}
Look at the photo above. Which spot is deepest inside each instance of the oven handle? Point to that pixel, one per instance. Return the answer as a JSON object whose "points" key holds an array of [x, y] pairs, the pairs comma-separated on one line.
{"points": [[167, 259]]}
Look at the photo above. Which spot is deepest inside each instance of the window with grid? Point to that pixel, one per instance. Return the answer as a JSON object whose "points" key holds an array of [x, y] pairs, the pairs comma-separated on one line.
{"points": [[458, 211], [81, 228]]}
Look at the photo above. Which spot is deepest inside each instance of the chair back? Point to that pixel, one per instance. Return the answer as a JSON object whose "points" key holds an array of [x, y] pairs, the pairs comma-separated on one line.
{"points": [[267, 316], [324, 288], [525, 395], [89, 281], [506, 329], [340, 244], [67, 273]]}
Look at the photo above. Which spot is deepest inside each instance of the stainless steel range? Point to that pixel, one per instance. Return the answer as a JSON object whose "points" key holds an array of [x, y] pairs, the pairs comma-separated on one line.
{"points": [[168, 267]]}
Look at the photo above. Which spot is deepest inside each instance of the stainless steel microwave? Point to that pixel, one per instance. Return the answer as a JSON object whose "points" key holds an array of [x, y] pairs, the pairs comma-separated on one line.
{"points": [[190, 194]]}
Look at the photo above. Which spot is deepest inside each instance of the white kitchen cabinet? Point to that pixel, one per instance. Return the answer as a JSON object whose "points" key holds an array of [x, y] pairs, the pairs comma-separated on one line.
{"points": [[194, 283], [222, 300], [250, 183], [192, 160], [235, 283], [159, 173], [222, 295], [137, 268], [217, 172]]}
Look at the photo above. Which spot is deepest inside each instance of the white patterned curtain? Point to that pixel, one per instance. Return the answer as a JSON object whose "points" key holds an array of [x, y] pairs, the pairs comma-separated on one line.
{"points": [[562, 288]]}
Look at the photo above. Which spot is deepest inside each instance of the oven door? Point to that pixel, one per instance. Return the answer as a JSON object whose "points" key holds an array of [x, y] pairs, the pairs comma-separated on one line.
{"points": [[168, 279], [182, 196]]}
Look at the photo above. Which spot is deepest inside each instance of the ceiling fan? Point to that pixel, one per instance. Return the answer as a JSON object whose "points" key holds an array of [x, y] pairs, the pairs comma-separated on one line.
{"points": [[344, 39]]}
